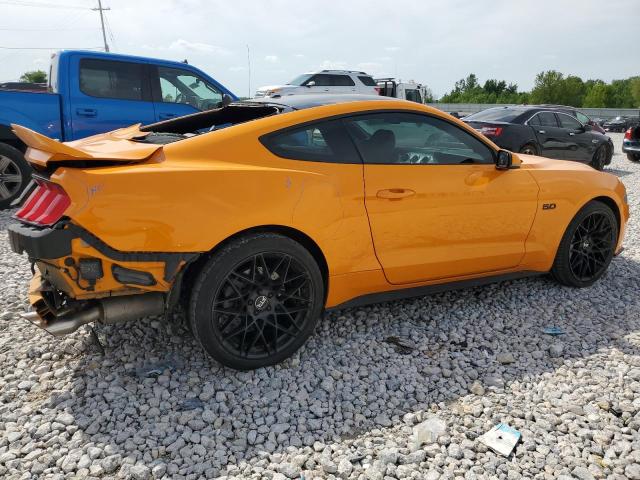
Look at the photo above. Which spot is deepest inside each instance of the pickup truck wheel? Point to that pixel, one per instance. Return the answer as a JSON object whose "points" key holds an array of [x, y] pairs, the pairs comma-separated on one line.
{"points": [[634, 157], [529, 149], [256, 301], [15, 174], [587, 247]]}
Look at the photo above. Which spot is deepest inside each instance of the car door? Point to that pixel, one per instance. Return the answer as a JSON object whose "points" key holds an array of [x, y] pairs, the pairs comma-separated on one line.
{"points": [[552, 139], [107, 94], [179, 92], [437, 206], [319, 83], [579, 139]]}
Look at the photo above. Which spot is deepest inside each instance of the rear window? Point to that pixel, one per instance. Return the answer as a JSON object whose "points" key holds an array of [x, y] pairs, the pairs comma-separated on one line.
{"points": [[547, 119], [368, 81], [109, 79], [495, 115]]}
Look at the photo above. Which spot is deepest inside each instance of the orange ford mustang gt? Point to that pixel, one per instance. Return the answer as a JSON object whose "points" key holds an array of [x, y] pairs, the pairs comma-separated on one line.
{"points": [[258, 216]]}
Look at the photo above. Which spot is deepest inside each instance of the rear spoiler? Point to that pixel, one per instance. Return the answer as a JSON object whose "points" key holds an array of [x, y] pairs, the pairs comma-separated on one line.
{"points": [[112, 146]]}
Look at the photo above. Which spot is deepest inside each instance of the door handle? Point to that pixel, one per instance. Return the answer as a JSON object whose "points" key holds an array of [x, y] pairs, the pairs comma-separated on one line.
{"points": [[395, 193], [542, 131], [86, 112], [571, 134], [166, 116]]}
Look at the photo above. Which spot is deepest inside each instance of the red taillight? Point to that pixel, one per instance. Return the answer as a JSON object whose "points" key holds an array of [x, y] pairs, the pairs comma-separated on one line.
{"points": [[491, 131], [46, 205], [627, 134]]}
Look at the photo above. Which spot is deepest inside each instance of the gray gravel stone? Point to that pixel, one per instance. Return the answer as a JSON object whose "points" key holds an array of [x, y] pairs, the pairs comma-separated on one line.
{"points": [[349, 405]]}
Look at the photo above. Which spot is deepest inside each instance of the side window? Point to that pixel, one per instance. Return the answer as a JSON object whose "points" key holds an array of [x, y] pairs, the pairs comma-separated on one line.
{"points": [[368, 81], [547, 119], [342, 81], [321, 80], [568, 122], [109, 79], [535, 120], [407, 138], [413, 96], [582, 118], [319, 142], [183, 86]]}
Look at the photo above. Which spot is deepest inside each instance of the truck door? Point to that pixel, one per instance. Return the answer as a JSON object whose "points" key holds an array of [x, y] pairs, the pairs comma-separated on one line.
{"points": [[179, 92], [107, 94]]}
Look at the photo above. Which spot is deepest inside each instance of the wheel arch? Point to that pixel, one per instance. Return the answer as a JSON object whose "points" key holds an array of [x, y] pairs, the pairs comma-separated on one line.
{"points": [[611, 203], [8, 137], [194, 267]]}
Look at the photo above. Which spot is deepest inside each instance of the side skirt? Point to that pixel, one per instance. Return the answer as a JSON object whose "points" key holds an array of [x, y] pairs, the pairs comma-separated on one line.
{"points": [[401, 294]]}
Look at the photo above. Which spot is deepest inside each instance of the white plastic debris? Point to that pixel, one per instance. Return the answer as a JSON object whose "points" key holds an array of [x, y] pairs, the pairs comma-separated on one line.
{"points": [[428, 431], [502, 439]]}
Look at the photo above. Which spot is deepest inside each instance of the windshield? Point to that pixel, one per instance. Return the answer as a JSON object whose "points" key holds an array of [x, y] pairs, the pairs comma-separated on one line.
{"points": [[499, 114], [300, 79]]}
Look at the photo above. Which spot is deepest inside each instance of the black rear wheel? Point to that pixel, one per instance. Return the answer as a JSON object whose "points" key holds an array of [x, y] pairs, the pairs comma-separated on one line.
{"points": [[634, 157], [587, 246], [529, 149], [257, 301]]}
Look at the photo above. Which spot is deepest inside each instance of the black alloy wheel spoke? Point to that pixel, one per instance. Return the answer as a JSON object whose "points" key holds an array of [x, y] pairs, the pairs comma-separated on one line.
{"points": [[262, 305], [591, 246]]}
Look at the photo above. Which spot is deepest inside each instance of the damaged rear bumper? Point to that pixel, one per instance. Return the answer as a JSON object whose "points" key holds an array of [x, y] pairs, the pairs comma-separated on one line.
{"points": [[58, 315]]}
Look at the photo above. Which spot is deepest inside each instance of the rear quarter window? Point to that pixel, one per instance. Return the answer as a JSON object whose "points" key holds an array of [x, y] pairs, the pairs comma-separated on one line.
{"points": [[325, 141], [368, 81]]}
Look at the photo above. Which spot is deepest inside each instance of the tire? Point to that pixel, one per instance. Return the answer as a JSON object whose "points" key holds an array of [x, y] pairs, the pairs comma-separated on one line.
{"points": [[15, 174], [256, 301], [529, 149], [587, 247], [599, 158], [634, 157]]}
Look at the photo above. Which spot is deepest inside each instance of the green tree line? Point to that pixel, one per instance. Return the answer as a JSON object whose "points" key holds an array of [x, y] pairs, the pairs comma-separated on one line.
{"points": [[549, 87]]}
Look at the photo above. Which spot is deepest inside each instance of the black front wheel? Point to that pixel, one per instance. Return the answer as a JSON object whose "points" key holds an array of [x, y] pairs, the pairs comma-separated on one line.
{"points": [[587, 247], [599, 158], [256, 301]]}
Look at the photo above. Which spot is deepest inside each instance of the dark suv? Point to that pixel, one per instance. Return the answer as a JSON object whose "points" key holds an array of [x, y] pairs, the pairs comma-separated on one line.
{"points": [[552, 132]]}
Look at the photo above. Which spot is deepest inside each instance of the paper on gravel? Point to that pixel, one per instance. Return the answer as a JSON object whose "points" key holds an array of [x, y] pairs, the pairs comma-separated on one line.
{"points": [[501, 439]]}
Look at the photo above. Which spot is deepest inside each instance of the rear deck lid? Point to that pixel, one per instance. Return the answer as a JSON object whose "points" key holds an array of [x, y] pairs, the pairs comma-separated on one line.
{"points": [[115, 146]]}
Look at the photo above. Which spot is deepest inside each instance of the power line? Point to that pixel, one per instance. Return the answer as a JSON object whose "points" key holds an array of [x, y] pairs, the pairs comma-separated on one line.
{"points": [[50, 48], [42, 5], [7, 29]]}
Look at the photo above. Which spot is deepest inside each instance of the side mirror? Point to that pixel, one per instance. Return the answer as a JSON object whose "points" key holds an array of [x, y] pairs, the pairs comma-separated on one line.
{"points": [[312, 83], [504, 160]]}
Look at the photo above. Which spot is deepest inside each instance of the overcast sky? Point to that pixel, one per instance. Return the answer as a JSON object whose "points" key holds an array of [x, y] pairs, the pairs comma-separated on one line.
{"points": [[432, 42]]}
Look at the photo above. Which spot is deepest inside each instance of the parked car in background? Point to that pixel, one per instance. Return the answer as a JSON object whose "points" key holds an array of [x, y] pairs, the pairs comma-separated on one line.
{"points": [[321, 82], [391, 87], [620, 124], [631, 143], [545, 131], [94, 92], [300, 204], [24, 86]]}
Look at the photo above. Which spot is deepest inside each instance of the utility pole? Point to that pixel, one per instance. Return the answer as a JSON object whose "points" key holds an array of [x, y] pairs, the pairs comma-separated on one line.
{"points": [[249, 67], [104, 35]]}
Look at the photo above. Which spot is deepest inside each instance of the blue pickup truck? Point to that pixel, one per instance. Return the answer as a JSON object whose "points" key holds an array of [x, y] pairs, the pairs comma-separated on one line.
{"points": [[93, 92]]}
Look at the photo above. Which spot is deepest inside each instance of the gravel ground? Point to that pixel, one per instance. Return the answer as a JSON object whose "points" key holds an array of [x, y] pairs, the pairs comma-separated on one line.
{"points": [[143, 401]]}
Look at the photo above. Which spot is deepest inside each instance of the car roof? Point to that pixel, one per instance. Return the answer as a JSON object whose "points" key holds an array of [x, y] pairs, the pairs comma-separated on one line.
{"points": [[299, 102]]}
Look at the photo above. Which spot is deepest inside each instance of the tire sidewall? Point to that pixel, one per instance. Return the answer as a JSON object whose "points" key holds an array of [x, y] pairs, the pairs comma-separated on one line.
{"points": [[532, 146], [215, 272], [597, 162], [562, 257], [25, 170]]}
